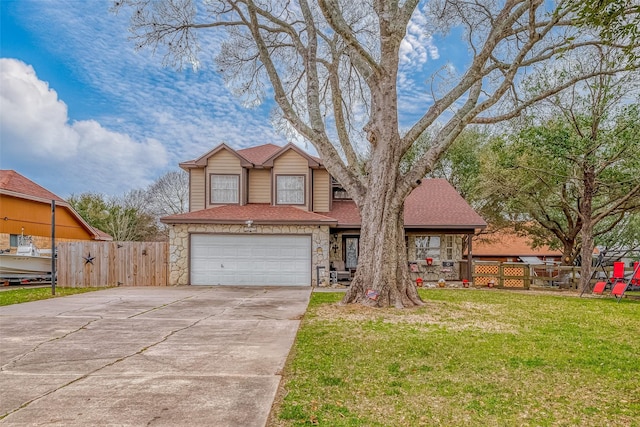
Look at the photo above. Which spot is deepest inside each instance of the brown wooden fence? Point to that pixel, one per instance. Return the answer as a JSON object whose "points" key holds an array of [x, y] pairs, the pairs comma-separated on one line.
{"points": [[503, 274], [102, 264], [523, 276]]}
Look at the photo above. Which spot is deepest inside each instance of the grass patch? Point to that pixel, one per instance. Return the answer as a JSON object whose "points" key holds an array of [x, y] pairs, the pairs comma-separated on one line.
{"points": [[17, 296], [473, 358]]}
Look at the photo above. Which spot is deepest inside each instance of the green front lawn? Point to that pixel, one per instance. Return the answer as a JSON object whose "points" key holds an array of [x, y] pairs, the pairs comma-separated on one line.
{"points": [[468, 358], [17, 296]]}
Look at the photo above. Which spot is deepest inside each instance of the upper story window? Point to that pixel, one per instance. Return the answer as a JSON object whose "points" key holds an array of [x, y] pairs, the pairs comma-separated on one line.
{"points": [[428, 247], [290, 189], [337, 191], [224, 189], [340, 194]]}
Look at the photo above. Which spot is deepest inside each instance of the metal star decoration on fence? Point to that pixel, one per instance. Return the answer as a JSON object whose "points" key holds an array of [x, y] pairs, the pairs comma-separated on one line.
{"points": [[88, 259]]}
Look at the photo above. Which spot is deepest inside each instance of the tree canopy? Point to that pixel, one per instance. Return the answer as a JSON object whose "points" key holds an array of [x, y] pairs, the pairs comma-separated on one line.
{"points": [[134, 216], [571, 172], [334, 68], [121, 217], [618, 21]]}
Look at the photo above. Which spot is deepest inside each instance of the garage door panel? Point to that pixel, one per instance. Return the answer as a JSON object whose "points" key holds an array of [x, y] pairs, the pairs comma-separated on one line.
{"points": [[250, 259]]}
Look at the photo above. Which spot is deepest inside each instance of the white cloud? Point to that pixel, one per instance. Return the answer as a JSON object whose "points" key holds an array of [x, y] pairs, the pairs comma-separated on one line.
{"points": [[69, 157], [30, 108], [417, 49], [188, 112], [418, 44]]}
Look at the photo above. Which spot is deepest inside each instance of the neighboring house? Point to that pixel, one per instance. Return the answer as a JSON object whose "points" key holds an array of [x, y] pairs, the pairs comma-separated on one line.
{"points": [[25, 209], [510, 246], [271, 215]]}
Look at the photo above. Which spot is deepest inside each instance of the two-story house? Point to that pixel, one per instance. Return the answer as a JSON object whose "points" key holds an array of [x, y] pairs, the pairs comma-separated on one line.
{"points": [[271, 215]]}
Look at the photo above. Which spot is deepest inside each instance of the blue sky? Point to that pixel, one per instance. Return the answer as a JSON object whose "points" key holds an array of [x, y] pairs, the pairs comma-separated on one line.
{"points": [[82, 111]]}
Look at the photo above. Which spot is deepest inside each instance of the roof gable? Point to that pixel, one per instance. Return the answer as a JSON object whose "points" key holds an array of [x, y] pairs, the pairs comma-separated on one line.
{"points": [[259, 156], [11, 182], [260, 153], [15, 185], [436, 203], [312, 161], [201, 161]]}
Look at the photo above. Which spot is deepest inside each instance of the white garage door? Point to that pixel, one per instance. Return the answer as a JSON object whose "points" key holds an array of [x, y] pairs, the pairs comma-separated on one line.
{"points": [[219, 259]]}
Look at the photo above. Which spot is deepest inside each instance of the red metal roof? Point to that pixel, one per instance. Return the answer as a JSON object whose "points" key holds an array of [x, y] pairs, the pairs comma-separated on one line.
{"points": [[257, 212], [12, 181]]}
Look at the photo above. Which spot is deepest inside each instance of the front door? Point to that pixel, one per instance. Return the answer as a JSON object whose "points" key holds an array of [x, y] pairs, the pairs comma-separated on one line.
{"points": [[351, 252]]}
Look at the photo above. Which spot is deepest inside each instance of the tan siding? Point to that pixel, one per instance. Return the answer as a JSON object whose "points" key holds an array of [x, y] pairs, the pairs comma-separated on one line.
{"points": [[223, 162], [292, 163], [197, 194], [321, 190], [259, 186]]}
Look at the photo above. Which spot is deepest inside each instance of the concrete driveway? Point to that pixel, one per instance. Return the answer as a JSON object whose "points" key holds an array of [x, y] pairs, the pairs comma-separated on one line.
{"points": [[147, 356]]}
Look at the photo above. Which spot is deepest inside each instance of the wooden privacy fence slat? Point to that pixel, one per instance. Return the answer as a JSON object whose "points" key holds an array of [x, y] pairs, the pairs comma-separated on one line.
{"points": [[102, 264]]}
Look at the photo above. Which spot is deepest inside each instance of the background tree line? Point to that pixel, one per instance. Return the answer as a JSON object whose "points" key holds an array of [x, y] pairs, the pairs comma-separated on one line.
{"points": [[566, 173], [134, 216]]}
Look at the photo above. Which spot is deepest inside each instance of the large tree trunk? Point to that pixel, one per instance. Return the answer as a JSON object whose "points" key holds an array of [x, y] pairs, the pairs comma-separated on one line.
{"points": [[568, 254], [587, 251], [586, 233], [382, 262]]}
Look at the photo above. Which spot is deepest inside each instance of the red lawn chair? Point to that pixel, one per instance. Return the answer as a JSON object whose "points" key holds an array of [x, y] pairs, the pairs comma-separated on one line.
{"points": [[618, 284], [635, 279], [621, 286], [618, 272], [598, 289], [618, 290]]}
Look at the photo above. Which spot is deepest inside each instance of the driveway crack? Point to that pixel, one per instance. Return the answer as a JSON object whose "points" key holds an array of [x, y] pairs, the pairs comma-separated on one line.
{"points": [[107, 365], [111, 301], [36, 347], [161, 306]]}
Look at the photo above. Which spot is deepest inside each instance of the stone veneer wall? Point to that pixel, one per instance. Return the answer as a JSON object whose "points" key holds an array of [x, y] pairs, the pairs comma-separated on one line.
{"points": [[179, 245], [434, 273]]}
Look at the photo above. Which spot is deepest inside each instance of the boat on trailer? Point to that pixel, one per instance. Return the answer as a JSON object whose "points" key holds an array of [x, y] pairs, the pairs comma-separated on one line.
{"points": [[27, 263]]}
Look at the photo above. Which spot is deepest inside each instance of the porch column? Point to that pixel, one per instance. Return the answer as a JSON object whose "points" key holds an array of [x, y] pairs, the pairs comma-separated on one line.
{"points": [[470, 258]]}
